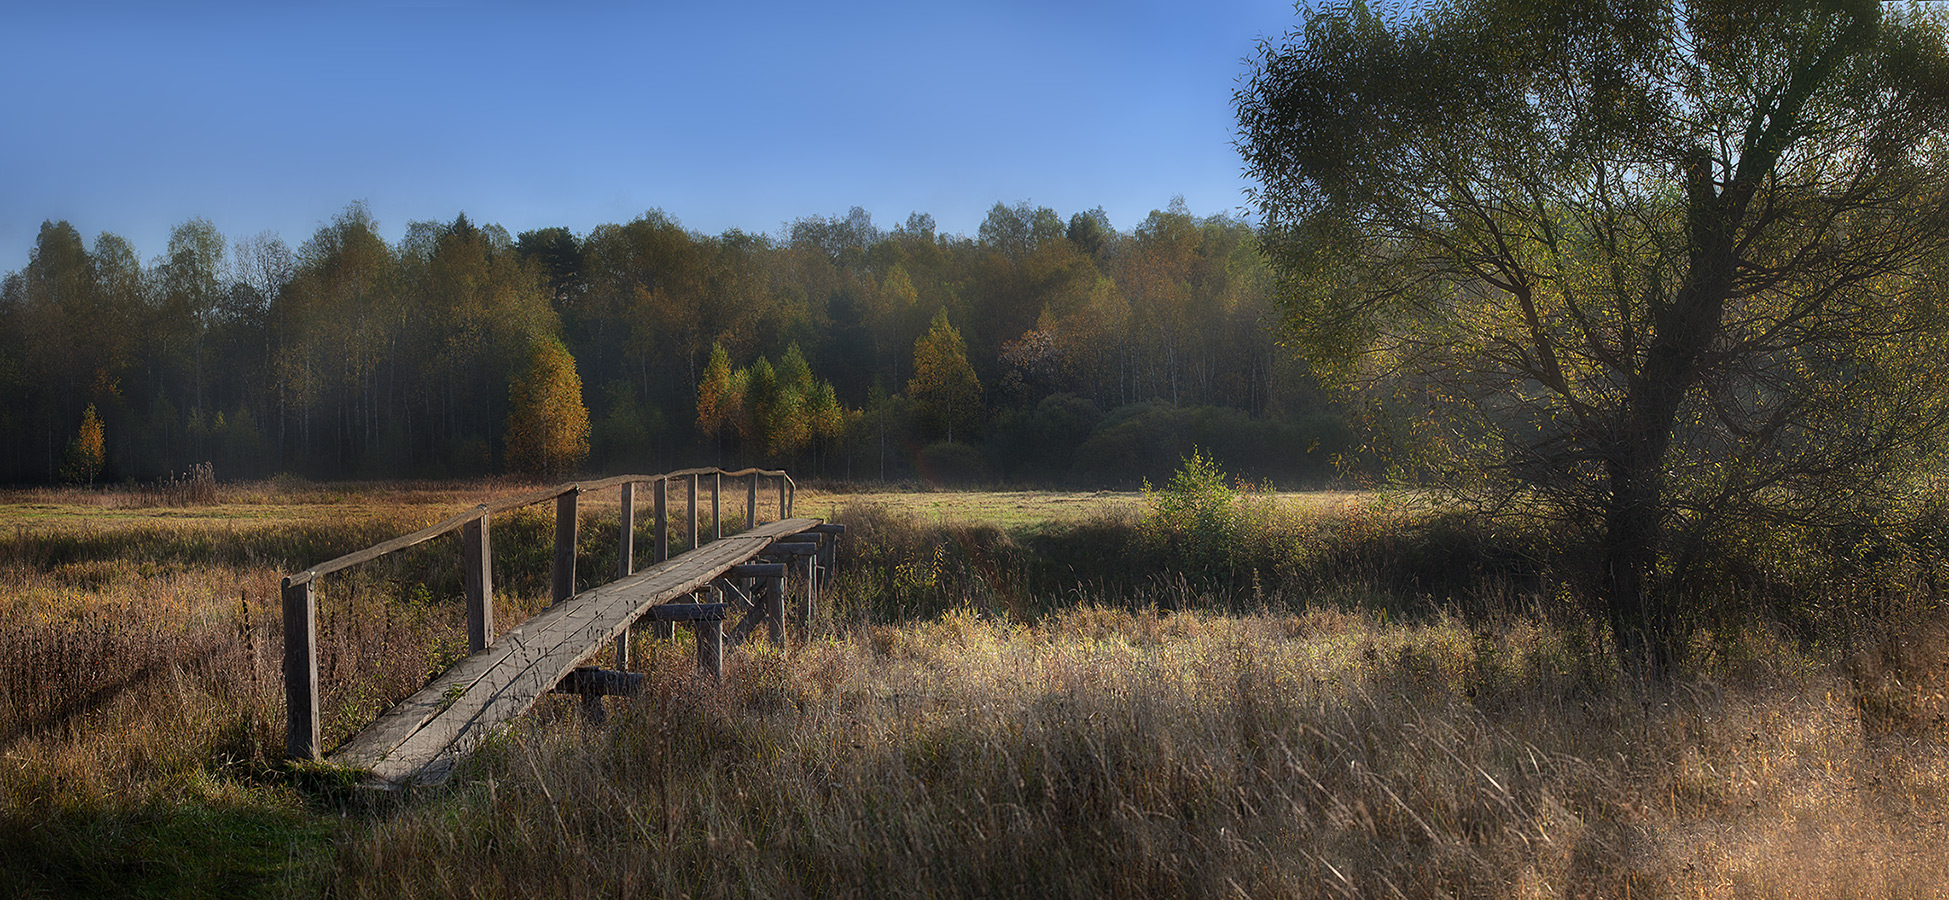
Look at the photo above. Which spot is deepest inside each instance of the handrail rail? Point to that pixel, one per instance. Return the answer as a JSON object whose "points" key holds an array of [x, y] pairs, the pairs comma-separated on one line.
{"points": [[529, 499]]}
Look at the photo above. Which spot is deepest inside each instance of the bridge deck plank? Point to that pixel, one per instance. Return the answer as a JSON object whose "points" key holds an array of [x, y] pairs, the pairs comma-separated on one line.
{"points": [[422, 737]]}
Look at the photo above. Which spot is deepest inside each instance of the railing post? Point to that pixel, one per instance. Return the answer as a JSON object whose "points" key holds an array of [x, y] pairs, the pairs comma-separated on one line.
{"points": [[565, 527], [663, 630], [693, 513], [717, 516], [751, 502], [784, 507], [301, 669], [626, 562], [662, 494], [626, 555], [477, 554]]}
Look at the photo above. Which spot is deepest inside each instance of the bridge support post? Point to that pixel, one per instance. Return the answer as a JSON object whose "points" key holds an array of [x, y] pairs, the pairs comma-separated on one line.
{"points": [[810, 602], [710, 646], [775, 608], [828, 533], [565, 527], [751, 502], [301, 670], [477, 573], [717, 513]]}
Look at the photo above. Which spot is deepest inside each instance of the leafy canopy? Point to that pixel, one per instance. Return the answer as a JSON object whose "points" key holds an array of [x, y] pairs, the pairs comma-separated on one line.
{"points": [[1667, 267]]}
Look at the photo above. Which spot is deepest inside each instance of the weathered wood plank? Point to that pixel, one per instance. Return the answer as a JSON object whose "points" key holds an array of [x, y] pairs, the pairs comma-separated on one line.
{"points": [[755, 570], [420, 738], [685, 612], [600, 682], [500, 506]]}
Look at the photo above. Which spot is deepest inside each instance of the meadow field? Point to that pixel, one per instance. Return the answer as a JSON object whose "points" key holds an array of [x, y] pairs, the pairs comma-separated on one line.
{"points": [[1008, 694]]}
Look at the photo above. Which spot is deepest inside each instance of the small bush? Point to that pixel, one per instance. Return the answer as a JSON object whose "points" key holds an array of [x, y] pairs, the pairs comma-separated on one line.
{"points": [[1194, 520]]}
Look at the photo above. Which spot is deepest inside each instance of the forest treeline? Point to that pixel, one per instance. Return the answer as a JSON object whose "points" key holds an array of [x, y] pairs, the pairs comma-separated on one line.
{"points": [[1041, 350]]}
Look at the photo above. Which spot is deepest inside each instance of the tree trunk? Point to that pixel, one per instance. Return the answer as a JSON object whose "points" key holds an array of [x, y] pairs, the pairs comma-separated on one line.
{"points": [[1643, 620], [1640, 621]]}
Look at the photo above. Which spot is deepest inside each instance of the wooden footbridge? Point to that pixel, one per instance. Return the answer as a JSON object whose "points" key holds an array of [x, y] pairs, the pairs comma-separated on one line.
{"points": [[420, 739]]}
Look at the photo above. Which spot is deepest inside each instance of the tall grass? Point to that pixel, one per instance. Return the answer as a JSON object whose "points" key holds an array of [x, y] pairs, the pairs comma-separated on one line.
{"points": [[1109, 753], [1366, 698]]}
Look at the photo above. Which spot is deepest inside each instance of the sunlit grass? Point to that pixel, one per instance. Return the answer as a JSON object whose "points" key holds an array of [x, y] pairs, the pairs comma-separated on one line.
{"points": [[1366, 707], [1110, 753]]}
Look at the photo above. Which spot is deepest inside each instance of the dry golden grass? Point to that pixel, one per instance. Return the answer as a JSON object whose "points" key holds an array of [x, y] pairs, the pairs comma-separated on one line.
{"points": [[1109, 753], [1090, 751]]}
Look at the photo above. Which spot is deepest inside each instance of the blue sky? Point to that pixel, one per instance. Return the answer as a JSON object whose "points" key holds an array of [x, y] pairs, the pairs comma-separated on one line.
{"points": [[274, 116]]}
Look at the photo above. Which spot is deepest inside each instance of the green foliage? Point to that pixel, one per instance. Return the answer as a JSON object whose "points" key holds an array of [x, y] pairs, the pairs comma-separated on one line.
{"points": [[1195, 519], [1658, 270], [945, 389], [354, 356]]}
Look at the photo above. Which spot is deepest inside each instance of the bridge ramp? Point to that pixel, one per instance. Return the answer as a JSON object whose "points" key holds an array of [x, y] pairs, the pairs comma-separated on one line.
{"points": [[420, 739]]}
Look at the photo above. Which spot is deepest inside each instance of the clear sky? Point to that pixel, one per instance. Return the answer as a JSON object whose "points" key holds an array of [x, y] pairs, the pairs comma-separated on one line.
{"points": [[270, 115]]}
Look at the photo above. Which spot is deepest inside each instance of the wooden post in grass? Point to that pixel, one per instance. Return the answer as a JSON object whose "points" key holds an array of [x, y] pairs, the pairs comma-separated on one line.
{"points": [[565, 527], [784, 501], [751, 502], [301, 669], [626, 562], [693, 513], [717, 514], [477, 573]]}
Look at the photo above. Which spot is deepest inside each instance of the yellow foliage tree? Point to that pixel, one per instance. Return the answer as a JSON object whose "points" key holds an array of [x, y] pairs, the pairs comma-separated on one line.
{"points": [[717, 397], [548, 427], [87, 452]]}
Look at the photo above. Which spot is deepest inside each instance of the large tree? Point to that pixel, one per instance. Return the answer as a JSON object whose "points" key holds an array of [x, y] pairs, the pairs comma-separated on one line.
{"points": [[1661, 266]]}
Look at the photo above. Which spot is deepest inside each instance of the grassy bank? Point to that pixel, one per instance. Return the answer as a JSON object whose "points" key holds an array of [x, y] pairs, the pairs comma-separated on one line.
{"points": [[1357, 697]]}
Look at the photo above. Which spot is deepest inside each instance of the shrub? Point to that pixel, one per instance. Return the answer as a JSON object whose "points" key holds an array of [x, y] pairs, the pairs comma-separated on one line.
{"points": [[1194, 520]]}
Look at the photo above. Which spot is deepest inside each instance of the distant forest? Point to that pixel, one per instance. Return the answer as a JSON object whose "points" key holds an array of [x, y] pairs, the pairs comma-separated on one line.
{"points": [[1042, 350]]}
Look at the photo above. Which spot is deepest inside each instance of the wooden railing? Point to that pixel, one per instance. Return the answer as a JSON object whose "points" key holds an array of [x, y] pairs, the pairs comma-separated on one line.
{"points": [[301, 589]]}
